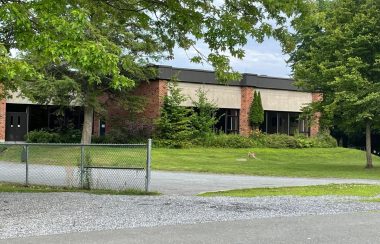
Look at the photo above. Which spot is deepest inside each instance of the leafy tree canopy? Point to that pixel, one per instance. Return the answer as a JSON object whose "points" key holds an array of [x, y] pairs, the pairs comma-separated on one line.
{"points": [[338, 53], [74, 50]]}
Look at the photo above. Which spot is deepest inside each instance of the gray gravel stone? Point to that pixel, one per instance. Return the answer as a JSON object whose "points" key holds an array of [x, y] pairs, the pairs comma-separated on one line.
{"points": [[31, 214]]}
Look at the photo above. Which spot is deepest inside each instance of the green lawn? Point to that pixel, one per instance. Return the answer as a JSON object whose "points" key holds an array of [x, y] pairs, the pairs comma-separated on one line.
{"points": [[312, 162], [70, 155], [6, 187], [361, 190]]}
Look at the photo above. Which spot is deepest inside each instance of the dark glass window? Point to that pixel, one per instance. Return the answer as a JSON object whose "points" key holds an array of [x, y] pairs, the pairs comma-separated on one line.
{"points": [[228, 121], [284, 123], [232, 121], [272, 122], [293, 123]]}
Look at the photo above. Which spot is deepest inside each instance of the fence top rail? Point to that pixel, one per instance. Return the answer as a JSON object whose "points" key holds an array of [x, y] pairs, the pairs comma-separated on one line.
{"points": [[71, 144]]}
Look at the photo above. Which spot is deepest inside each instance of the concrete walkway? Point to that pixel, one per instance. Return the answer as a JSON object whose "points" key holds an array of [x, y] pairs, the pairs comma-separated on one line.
{"points": [[185, 183]]}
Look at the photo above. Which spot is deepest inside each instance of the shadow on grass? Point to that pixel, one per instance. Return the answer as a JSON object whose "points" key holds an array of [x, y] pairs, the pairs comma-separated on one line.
{"points": [[7, 187]]}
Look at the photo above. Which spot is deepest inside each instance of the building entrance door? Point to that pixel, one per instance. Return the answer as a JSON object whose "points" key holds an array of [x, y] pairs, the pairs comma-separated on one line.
{"points": [[16, 128]]}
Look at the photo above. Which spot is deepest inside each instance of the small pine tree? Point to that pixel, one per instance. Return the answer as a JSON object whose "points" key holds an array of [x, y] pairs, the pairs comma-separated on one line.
{"points": [[175, 120], [256, 112], [204, 117]]}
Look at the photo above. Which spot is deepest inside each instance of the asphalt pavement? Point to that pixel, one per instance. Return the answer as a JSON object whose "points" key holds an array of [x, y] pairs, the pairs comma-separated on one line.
{"points": [[335, 229], [185, 183], [169, 183]]}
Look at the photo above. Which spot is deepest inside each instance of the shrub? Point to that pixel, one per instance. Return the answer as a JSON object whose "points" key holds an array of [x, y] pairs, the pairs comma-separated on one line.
{"points": [[226, 141], [165, 143], [257, 139], [43, 136], [324, 140], [298, 141], [132, 133], [70, 136], [304, 141], [280, 141], [101, 139]]}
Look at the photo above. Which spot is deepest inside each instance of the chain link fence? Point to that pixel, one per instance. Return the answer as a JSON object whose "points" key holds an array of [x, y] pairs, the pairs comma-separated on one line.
{"points": [[94, 166]]}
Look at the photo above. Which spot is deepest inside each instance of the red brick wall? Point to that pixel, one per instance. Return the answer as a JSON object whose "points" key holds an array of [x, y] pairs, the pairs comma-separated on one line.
{"points": [[96, 126], [153, 92], [314, 128], [2, 119], [246, 100]]}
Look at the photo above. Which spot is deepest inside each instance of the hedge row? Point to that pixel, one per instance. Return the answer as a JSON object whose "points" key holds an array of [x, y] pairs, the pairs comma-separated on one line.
{"points": [[261, 140], [213, 140]]}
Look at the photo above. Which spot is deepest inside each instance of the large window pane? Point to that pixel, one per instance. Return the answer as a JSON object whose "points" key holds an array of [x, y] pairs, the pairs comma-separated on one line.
{"points": [[220, 126], [228, 121], [283, 122], [293, 123], [232, 121], [272, 122]]}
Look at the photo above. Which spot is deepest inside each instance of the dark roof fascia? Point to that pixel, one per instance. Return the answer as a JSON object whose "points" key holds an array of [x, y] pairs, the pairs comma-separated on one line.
{"points": [[208, 77]]}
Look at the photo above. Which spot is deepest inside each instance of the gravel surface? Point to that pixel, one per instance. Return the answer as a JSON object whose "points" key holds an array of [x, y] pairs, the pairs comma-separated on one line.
{"points": [[31, 214]]}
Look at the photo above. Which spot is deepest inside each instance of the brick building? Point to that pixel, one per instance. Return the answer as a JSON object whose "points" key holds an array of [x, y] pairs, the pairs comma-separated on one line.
{"points": [[282, 103]]}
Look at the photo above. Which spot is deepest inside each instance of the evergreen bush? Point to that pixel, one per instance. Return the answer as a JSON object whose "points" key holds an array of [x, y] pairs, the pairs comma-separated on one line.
{"points": [[256, 111], [175, 120], [204, 117]]}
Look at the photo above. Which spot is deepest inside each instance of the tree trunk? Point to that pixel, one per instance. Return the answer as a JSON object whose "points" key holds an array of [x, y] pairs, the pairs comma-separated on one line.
{"points": [[87, 125], [368, 145]]}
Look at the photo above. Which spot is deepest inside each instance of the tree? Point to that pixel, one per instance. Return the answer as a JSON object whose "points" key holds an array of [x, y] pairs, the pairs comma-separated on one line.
{"points": [[256, 111], [204, 115], [73, 51], [175, 120], [338, 54]]}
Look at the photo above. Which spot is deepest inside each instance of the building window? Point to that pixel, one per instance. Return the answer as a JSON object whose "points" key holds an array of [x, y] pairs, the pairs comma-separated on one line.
{"points": [[228, 121], [288, 123]]}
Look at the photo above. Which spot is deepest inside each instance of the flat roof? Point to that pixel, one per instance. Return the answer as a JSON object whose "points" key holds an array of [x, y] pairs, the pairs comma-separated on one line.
{"points": [[208, 77]]}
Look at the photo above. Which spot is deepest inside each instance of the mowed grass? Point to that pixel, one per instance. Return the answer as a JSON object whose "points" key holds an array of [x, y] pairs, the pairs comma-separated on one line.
{"points": [[6, 187], [70, 155], [311, 162], [361, 190]]}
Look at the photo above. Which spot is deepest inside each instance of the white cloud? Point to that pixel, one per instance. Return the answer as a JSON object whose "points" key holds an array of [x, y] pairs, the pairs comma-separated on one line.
{"points": [[264, 59]]}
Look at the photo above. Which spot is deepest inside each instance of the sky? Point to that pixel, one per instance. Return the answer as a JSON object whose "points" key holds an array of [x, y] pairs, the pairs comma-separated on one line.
{"points": [[263, 59]]}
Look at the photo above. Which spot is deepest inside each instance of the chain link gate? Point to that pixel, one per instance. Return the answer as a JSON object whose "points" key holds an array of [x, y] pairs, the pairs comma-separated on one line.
{"points": [[93, 166]]}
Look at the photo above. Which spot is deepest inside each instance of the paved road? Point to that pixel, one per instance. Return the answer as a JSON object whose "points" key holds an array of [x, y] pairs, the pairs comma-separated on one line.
{"points": [[334, 229], [181, 183], [171, 183]]}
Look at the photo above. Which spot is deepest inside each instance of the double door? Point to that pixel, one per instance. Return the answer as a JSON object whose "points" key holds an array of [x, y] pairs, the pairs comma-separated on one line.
{"points": [[16, 126]]}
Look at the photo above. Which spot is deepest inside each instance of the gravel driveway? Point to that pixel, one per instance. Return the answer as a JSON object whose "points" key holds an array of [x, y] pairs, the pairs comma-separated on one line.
{"points": [[31, 214]]}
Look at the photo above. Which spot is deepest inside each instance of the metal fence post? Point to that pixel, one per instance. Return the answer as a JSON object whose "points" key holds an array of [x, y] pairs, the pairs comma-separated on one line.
{"points": [[26, 165], [148, 162], [82, 166]]}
